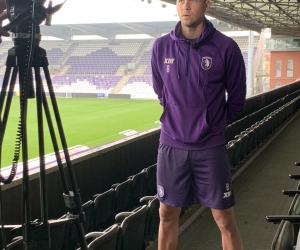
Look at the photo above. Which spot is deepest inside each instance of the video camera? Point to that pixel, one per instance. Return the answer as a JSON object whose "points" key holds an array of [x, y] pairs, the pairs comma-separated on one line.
{"points": [[20, 13]]}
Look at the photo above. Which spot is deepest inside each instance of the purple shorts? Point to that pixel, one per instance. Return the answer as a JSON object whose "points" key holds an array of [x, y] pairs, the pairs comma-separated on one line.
{"points": [[185, 177]]}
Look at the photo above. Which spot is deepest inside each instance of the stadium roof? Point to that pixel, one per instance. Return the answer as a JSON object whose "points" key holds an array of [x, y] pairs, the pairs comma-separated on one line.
{"points": [[282, 16], [110, 30]]}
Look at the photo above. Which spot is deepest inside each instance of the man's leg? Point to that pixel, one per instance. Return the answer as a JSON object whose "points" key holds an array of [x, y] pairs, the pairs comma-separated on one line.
{"points": [[225, 219], [168, 227]]}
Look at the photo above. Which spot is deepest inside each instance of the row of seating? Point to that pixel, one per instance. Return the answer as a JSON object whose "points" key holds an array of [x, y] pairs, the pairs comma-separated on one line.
{"points": [[118, 220], [288, 229], [248, 137], [132, 230], [107, 211]]}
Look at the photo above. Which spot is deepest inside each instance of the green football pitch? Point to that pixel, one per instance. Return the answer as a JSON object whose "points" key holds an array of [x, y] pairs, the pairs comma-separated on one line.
{"points": [[86, 121]]}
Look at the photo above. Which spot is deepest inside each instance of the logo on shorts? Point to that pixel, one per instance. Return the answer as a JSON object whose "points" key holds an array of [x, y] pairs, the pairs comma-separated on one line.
{"points": [[228, 193], [160, 191]]}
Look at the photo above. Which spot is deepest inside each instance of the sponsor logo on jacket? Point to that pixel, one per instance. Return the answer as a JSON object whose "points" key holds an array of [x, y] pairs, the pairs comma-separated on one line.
{"points": [[169, 60]]}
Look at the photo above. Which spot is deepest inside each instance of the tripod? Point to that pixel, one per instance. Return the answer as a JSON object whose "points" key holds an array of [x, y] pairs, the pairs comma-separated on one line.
{"points": [[37, 235]]}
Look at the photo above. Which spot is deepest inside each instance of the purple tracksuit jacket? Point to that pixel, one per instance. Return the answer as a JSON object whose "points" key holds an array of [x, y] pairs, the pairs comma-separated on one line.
{"points": [[190, 79]]}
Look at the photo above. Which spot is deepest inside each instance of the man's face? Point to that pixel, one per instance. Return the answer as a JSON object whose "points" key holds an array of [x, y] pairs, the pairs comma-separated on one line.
{"points": [[191, 12]]}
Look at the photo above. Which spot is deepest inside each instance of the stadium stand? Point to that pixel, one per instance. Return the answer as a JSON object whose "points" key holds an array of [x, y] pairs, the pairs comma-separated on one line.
{"points": [[98, 67]]}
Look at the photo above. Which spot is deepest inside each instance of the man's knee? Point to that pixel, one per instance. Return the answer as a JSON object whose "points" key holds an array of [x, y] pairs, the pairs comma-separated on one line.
{"points": [[168, 213], [225, 219]]}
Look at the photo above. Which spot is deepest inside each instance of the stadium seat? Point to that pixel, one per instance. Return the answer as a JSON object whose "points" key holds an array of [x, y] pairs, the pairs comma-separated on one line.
{"points": [[133, 226], [104, 210], [237, 151], [250, 135], [284, 238], [230, 151], [122, 196], [138, 187], [237, 127], [229, 132], [106, 240], [16, 245], [243, 124], [243, 136], [254, 135], [88, 209], [287, 232], [153, 218], [151, 180], [260, 126], [59, 233]]}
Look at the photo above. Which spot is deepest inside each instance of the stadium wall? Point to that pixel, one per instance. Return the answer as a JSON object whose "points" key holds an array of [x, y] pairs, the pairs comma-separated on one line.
{"points": [[95, 172], [101, 167]]}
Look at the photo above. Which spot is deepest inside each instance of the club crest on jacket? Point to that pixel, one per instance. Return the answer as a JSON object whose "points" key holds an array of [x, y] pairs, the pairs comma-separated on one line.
{"points": [[206, 62]]}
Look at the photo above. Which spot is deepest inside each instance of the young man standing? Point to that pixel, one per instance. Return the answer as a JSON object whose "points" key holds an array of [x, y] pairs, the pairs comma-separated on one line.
{"points": [[193, 67]]}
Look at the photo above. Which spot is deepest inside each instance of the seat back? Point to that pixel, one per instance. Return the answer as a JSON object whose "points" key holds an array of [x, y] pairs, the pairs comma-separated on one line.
{"points": [[295, 210], [295, 206], [58, 233], [104, 210], [249, 142], [16, 245], [88, 209], [237, 151], [108, 240], [138, 187], [230, 151], [153, 219], [229, 133], [123, 196], [244, 142], [133, 230], [284, 237], [151, 180]]}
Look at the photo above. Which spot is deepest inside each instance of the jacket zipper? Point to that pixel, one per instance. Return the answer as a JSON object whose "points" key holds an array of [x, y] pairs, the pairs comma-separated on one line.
{"points": [[187, 61]]}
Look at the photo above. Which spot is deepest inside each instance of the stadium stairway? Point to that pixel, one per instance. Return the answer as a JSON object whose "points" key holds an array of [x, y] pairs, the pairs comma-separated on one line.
{"points": [[258, 184]]}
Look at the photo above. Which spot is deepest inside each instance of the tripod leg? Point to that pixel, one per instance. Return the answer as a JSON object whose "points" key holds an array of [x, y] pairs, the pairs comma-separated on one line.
{"points": [[77, 207], [3, 123], [26, 201], [8, 102], [55, 144], [44, 235], [4, 87]]}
